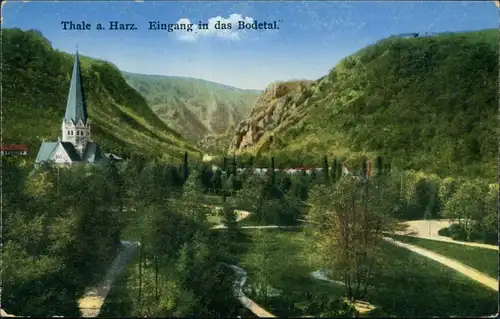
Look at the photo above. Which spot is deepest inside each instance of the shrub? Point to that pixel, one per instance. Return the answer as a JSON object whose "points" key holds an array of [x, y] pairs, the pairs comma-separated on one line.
{"points": [[444, 232]]}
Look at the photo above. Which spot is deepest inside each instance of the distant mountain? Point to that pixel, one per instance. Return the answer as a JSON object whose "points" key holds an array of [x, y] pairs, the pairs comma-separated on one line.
{"points": [[203, 112], [35, 82], [427, 103]]}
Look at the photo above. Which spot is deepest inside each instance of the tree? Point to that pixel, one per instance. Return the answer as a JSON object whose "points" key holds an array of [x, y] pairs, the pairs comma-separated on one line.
{"points": [[335, 175], [250, 197], [347, 223], [379, 166], [262, 256], [216, 181], [224, 165], [340, 164], [273, 172], [447, 189], [362, 166], [325, 169], [489, 224], [190, 201], [468, 206], [185, 169], [206, 176], [235, 168]]}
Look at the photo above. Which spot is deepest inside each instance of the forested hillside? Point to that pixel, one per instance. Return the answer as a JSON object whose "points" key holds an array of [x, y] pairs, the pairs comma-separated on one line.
{"points": [[35, 84], [198, 109], [427, 103]]}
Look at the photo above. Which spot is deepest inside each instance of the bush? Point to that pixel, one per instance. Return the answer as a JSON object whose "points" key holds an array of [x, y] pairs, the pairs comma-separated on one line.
{"points": [[444, 232], [421, 195], [457, 232]]}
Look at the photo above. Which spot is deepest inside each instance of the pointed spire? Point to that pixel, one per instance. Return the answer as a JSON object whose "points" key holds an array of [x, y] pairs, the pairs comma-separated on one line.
{"points": [[76, 108]]}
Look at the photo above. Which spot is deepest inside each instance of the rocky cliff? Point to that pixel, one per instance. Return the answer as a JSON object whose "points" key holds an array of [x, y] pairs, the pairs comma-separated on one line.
{"points": [[274, 106], [427, 103]]}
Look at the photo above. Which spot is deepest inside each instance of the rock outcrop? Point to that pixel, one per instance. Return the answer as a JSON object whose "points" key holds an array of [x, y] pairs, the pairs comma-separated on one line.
{"points": [[269, 110]]}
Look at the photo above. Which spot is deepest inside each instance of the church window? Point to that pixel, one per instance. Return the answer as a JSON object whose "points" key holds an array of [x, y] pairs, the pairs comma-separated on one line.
{"points": [[69, 132], [77, 132]]}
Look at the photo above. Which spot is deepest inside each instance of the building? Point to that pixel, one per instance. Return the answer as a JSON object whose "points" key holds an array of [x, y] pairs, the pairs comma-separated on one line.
{"points": [[14, 149], [75, 146]]}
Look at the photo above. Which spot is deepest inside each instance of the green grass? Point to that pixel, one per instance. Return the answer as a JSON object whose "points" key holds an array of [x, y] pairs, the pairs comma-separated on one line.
{"points": [[119, 301], [291, 270], [122, 300], [405, 284], [361, 108], [481, 259], [410, 285], [212, 199], [214, 219], [38, 75]]}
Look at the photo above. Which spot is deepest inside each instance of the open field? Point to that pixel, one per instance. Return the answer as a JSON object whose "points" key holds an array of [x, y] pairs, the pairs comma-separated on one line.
{"points": [[404, 283], [481, 259], [428, 229], [289, 275]]}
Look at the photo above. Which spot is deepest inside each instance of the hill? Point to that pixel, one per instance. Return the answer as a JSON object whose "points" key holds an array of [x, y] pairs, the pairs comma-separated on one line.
{"points": [[35, 85], [200, 110], [427, 103]]}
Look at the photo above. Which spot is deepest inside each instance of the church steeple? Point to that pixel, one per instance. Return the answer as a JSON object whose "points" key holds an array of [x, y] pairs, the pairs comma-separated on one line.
{"points": [[76, 126], [76, 108]]}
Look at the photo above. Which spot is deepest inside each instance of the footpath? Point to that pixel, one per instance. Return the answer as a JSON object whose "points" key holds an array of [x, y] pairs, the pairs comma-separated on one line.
{"points": [[90, 305], [451, 263]]}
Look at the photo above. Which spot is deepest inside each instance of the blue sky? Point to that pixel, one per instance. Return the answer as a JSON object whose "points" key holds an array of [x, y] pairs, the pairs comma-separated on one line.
{"points": [[312, 38]]}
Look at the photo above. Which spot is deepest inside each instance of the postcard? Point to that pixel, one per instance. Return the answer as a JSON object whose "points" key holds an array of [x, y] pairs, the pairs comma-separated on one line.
{"points": [[249, 158]]}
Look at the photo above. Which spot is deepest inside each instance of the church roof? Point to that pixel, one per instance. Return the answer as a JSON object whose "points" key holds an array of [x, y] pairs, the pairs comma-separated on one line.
{"points": [[76, 108], [71, 151], [46, 150], [93, 153]]}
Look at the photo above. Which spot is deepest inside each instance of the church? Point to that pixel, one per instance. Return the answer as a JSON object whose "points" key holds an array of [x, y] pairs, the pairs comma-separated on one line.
{"points": [[75, 145]]}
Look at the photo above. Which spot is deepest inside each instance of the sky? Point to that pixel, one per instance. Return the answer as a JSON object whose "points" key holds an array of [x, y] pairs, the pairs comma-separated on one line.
{"points": [[313, 36]]}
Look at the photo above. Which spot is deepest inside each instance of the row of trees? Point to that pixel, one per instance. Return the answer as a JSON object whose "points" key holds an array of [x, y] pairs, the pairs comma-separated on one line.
{"points": [[178, 271], [61, 231], [63, 228], [66, 223], [348, 219], [349, 214], [471, 202]]}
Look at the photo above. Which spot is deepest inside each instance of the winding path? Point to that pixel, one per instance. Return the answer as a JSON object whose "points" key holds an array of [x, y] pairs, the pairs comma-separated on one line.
{"points": [[245, 301], [428, 229], [90, 305], [321, 275], [451, 263]]}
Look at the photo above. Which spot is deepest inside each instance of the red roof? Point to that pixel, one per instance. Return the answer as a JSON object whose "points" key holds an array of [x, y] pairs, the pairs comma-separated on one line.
{"points": [[14, 147]]}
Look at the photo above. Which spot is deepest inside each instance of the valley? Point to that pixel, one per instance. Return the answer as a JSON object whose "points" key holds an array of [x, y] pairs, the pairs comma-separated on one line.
{"points": [[122, 119], [204, 112], [370, 191]]}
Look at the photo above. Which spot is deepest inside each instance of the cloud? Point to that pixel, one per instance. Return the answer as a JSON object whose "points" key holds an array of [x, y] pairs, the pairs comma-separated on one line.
{"points": [[229, 34]]}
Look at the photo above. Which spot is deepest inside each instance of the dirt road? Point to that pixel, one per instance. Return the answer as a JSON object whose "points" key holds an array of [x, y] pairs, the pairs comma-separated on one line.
{"points": [[245, 301], [91, 303], [428, 229], [457, 266]]}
